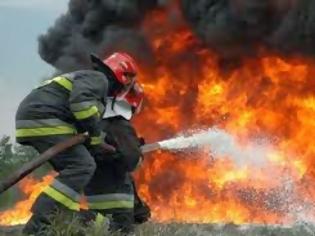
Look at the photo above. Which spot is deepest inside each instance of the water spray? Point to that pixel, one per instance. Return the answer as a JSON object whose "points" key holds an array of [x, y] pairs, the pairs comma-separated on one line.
{"points": [[219, 143]]}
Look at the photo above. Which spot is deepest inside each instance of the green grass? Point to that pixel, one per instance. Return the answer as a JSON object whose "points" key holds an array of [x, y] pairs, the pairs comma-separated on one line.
{"points": [[69, 226]]}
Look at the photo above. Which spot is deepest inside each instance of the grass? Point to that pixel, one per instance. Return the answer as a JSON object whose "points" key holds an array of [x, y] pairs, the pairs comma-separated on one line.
{"points": [[71, 227]]}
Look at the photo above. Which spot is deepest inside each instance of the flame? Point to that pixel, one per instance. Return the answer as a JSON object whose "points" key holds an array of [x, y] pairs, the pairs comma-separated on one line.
{"points": [[20, 213], [269, 97]]}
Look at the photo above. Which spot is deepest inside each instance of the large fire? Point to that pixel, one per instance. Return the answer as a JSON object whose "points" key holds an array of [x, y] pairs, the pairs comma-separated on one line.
{"points": [[269, 97]]}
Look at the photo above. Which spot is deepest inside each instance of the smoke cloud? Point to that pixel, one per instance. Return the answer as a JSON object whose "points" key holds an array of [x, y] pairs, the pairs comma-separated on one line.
{"points": [[233, 28], [95, 26], [237, 27]]}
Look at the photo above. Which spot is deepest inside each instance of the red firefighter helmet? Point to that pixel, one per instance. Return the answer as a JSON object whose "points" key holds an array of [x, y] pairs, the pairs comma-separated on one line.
{"points": [[120, 64], [123, 66]]}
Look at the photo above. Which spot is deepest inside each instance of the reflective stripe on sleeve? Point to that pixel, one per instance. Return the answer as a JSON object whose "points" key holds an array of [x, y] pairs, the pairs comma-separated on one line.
{"points": [[82, 106], [81, 115], [44, 131], [62, 81], [96, 140], [43, 127], [23, 124]]}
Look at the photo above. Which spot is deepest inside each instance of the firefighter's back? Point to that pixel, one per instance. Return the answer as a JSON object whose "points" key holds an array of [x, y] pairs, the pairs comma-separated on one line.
{"points": [[49, 101], [46, 110]]}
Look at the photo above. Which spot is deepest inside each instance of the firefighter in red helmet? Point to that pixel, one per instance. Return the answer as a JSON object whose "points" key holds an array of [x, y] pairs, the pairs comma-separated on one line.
{"points": [[58, 109], [112, 191]]}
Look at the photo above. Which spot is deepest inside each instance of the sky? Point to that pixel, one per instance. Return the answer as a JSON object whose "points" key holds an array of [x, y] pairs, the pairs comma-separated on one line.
{"points": [[21, 68]]}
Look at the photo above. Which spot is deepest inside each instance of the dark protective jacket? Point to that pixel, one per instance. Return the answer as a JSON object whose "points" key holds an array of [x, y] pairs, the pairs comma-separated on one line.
{"points": [[67, 104], [121, 134]]}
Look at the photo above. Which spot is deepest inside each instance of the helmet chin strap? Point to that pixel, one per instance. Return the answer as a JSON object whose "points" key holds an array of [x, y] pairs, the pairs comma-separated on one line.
{"points": [[113, 85], [113, 102]]}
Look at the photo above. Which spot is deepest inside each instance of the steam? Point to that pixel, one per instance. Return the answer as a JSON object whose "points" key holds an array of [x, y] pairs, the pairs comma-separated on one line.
{"points": [[222, 144]]}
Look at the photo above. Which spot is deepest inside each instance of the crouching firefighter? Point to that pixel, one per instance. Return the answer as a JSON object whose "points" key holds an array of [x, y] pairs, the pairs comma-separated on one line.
{"points": [[111, 191], [58, 109]]}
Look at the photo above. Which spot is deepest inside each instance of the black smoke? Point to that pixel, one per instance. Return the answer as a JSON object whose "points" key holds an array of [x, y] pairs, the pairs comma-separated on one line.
{"points": [[234, 28], [238, 27], [95, 26]]}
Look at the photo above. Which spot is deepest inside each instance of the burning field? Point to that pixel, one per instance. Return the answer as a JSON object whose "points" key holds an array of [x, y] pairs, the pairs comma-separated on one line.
{"points": [[245, 67]]}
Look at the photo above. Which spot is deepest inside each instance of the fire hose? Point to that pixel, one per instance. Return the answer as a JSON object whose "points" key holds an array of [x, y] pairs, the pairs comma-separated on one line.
{"points": [[50, 153]]}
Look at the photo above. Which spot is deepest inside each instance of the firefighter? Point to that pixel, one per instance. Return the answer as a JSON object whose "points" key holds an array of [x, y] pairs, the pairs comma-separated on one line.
{"points": [[112, 190], [59, 108]]}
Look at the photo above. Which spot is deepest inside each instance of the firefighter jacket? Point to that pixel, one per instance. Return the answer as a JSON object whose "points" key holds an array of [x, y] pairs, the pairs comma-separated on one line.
{"points": [[65, 105], [120, 133]]}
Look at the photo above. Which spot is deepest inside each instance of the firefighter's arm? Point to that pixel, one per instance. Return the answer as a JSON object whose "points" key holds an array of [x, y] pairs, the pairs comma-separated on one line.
{"points": [[86, 103], [127, 144]]}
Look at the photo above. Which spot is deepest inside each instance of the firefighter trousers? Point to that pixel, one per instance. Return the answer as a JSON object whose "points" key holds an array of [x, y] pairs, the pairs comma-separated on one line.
{"points": [[112, 193], [75, 167]]}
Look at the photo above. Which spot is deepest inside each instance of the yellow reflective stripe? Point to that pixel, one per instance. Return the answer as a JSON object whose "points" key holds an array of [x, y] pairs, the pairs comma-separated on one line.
{"points": [[81, 115], [38, 123], [110, 204], [61, 198], [64, 82], [44, 131], [96, 140]]}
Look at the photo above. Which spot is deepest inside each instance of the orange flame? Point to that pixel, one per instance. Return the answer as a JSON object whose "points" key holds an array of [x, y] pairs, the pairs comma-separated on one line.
{"points": [[20, 213], [264, 98]]}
